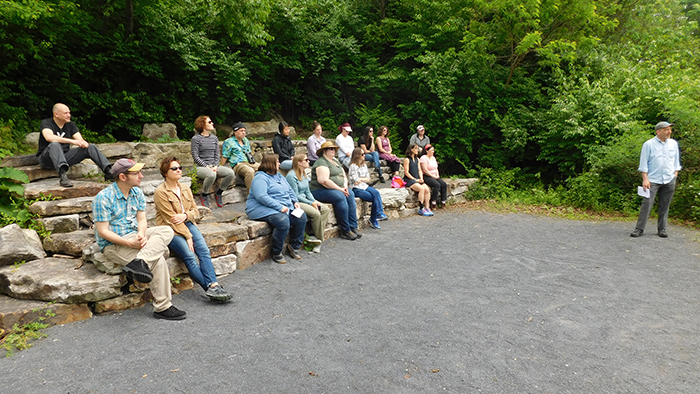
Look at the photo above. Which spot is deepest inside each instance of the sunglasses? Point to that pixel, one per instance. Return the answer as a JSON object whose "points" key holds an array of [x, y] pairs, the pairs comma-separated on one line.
{"points": [[307, 159], [176, 168], [210, 122]]}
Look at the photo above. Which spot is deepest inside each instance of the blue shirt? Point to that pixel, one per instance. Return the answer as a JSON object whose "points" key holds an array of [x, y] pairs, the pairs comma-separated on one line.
{"points": [[111, 206], [234, 151], [268, 195], [301, 188], [660, 160]]}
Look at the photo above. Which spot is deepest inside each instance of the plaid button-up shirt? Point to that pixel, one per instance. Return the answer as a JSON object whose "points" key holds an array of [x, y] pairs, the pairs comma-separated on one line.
{"points": [[111, 206]]}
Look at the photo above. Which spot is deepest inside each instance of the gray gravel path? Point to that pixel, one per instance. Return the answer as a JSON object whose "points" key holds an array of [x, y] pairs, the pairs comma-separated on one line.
{"points": [[463, 302]]}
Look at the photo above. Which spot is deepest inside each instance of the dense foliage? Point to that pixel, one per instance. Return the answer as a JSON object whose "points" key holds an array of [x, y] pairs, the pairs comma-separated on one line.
{"points": [[555, 94]]}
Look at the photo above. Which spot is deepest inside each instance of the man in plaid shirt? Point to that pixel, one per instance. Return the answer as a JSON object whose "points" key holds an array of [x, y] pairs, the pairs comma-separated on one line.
{"points": [[122, 232]]}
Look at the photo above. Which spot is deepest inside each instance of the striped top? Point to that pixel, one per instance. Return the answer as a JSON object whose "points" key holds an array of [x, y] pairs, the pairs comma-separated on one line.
{"points": [[205, 150]]}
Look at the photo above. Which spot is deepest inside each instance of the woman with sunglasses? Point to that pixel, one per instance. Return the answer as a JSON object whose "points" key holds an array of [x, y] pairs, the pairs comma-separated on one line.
{"points": [[431, 176], [413, 176], [205, 153], [175, 207], [330, 185], [316, 211], [366, 143]]}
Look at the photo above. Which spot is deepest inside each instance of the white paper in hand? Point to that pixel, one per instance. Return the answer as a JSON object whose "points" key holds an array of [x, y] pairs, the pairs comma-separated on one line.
{"points": [[297, 212], [646, 193]]}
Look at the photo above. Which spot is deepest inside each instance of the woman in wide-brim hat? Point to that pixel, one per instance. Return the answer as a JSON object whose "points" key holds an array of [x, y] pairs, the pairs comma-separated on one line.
{"points": [[330, 185]]}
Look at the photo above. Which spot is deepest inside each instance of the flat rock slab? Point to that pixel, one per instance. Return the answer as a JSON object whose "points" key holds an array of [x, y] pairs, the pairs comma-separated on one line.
{"points": [[50, 187], [70, 243], [61, 224], [217, 234], [53, 279], [19, 245], [21, 312], [62, 207]]}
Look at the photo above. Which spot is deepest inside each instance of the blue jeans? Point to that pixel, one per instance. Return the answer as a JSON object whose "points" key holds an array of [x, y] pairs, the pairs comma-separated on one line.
{"points": [[201, 272], [344, 207], [374, 158], [283, 223], [372, 195], [286, 165]]}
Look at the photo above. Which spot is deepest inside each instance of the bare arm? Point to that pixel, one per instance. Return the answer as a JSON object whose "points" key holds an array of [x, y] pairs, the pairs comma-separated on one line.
{"points": [[77, 139]]}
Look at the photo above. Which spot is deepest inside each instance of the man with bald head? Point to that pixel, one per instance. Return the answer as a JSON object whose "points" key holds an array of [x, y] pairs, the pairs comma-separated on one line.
{"points": [[56, 136]]}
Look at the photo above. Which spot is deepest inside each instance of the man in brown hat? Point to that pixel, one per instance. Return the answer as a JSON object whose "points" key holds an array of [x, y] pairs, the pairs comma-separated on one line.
{"points": [[122, 232]]}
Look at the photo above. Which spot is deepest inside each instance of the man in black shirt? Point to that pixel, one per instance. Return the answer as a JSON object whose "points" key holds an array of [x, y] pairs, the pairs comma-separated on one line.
{"points": [[56, 136]]}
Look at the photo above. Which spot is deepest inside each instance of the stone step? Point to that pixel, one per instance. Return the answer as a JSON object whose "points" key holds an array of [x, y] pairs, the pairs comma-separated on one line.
{"points": [[20, 312], [62, 207], [50, 187]]}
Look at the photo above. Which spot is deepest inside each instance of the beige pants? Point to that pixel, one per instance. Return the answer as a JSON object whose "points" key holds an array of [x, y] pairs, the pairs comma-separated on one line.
{"points": [[247, 172], [158, 239], [318, 219]]}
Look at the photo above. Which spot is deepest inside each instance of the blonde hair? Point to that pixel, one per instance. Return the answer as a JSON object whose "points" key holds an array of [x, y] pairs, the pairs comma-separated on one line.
{"points": [[297, 168], [357, 157]]}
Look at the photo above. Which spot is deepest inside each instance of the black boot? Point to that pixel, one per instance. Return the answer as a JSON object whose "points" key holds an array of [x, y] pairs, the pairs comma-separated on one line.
{"points": [[109, 177], [63, 178]]}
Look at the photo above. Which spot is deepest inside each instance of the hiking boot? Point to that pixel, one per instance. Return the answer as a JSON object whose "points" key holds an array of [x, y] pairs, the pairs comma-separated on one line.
{"points": [[293, 253], [138, 269], [279, 258], [109, 177], [64, 181], [171, 313], [218, 294], [662, 233], [219, 200], [348, 235], [357, 233], [637, 233], [204, 199]]}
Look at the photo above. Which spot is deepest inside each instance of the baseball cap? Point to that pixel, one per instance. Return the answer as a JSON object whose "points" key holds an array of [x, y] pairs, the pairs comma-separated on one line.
{"points": [[662, 125], [125, 165]]}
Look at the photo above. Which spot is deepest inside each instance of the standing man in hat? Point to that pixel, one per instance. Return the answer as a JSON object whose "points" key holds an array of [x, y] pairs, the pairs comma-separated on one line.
{"points": [[659, 164], [122, 232], [56, 136]]}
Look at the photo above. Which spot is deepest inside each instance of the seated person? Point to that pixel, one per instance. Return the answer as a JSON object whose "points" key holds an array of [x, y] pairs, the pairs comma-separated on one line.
{"points": [[431, 175], [384, 147], [358, 177], [236, 150], [56, 136], [175, 207], [330, 185], [366, 143], [314, 142], [205, 153], [420, 138], [345, 144], [283, 146], [272, 200], [315, 211], [122, 232], [413, 176]]}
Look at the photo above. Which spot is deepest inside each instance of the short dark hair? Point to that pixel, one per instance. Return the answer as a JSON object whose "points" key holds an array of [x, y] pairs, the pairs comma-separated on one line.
{"points": [[269, 163], [165, 164], [200, 122], [282, 125]]}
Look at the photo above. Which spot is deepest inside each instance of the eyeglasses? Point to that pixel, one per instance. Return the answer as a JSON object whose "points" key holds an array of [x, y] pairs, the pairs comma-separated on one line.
{"points": [[133, 173], [176, 168]]}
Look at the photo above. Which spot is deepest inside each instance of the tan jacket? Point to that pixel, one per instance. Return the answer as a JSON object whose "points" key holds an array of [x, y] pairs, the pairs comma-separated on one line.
{"points": [[168, 204]]}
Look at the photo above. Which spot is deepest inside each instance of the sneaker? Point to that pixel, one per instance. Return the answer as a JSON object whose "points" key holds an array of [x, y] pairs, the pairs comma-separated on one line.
{"points": [[204, 199], [637, 233], [357, 233], [423, 212], [138, 269], [374, 224], [279, 258], [382, 216], [218, 294], [293, 253], [64, 181], [316, 249], [313, 240], [662, 233], [349, 235], [381, 178], [219, 200], [171, 313], [429, 212]]}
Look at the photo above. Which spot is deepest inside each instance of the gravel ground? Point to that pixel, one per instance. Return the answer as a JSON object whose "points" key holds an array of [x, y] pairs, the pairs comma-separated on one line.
{"points": [[462, 302]]}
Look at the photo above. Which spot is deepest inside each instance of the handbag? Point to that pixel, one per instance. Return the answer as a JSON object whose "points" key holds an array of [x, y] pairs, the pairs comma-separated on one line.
{"points": [[397, 182]]}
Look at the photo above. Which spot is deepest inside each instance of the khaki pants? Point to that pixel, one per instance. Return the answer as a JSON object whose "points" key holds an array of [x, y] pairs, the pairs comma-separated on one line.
{"points": [[158, 239], [246, 171], [318, 219]]}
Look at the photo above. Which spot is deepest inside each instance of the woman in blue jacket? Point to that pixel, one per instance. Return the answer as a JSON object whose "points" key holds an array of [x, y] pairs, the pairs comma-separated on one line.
{"points": [[272, 200]]}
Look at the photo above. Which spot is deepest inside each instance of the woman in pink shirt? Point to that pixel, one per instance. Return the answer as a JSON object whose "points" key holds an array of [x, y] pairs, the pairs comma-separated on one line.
{"points": [[431, 176]]}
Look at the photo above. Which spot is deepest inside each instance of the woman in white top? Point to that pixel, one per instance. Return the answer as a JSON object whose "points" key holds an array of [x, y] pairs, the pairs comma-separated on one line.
{"points": [[431, 176], [345, 144], [358, 178], [314, 142]]}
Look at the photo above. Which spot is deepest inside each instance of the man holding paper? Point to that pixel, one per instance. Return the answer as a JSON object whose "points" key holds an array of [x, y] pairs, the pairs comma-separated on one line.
{"points": [[659, 164]]}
